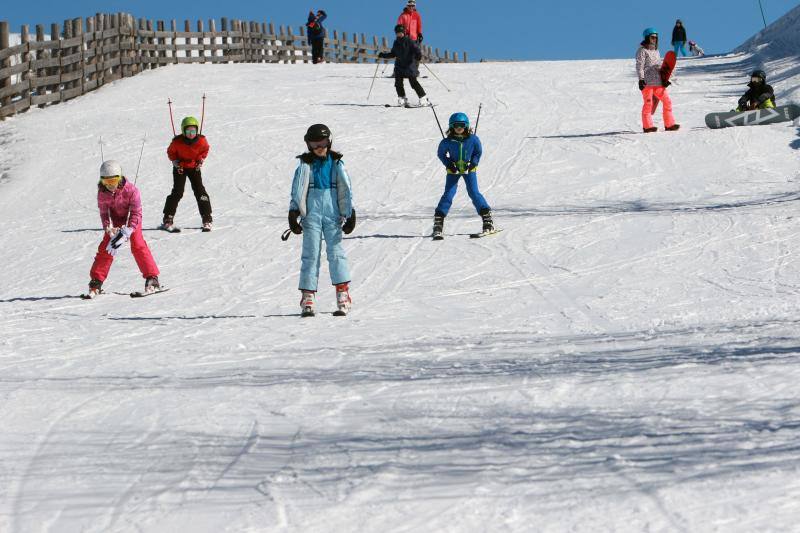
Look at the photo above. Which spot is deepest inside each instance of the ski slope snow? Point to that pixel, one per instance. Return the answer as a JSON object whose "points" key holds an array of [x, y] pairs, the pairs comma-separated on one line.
{"points": [[622, 357]]}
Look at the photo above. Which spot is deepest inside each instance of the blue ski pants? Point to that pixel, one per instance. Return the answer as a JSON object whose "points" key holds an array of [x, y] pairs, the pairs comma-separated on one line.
{"points": [[680, 45], [322, 221], [450, 188]]}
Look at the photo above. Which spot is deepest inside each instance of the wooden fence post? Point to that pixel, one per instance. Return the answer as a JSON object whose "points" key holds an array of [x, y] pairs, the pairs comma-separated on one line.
{"points": [[212, 29], [272, 42], [5, 63]]}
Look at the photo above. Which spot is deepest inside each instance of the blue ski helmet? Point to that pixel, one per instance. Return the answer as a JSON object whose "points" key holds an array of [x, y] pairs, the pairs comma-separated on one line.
{"points": [[459, 118], [648, 32]]}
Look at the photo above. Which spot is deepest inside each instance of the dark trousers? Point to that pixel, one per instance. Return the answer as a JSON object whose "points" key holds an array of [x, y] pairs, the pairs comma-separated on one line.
{"points": [[318, 50], [401, 91], [200, 194]]}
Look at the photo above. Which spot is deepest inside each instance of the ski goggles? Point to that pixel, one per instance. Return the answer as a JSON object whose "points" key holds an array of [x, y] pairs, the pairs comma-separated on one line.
{"points": [[190, 131], [318, 144], [110, 181], [462, 125], [755, 79]]}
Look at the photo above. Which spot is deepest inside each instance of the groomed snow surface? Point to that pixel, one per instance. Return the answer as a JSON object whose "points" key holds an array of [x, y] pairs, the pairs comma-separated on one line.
{"points": [[622, 357]]}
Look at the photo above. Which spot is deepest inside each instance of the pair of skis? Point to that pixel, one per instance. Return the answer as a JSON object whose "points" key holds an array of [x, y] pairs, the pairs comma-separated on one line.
{"points": [[438, 236], [136, 294]]}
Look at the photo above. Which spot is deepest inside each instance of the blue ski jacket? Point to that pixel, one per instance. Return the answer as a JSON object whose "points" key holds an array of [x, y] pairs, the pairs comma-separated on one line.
{"points": [[463, 151], [328, 173]]}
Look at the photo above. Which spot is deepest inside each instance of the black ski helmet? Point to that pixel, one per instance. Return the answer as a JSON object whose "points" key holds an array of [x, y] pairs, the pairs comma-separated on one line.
{"points": [[759, 74], [318, 132]]}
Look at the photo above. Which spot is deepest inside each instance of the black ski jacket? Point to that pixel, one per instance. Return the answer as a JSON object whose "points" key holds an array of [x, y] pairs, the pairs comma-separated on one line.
{"points": [[407, 57], [757, 95], [679, 34]]}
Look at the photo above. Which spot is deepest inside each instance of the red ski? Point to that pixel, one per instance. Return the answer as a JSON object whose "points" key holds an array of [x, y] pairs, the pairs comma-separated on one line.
{"points": [[667, 66]]}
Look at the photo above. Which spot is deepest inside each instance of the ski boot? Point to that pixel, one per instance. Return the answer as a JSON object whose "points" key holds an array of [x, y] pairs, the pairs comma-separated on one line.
{"points": [[168, 224], [95, 289], [674, 127], [424, 102], [307, 304], [438, 226], [206, 224], [650, 130], [488, 224], [343, 301], [402, 101], [151, 285]]}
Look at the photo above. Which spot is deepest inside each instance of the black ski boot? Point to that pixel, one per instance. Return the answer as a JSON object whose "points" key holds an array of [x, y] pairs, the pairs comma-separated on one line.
{"points": [[95, 289], [438, 226], [151, 285], [488, 224]]}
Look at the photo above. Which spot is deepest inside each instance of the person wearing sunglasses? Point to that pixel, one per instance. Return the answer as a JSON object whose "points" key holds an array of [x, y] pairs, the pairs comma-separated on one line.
{"points": [[321, 207], [188, 152], [120, 206], [460, 152], [406, 65], [759, 95], [651, 83]]}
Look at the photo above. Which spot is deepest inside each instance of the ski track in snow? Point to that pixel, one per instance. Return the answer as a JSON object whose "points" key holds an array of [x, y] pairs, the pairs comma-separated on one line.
{"points": [[622, 357]]}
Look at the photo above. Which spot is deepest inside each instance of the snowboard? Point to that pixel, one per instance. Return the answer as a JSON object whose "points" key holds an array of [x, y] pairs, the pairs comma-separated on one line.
{"points": [[667, 66], [755, 117]]}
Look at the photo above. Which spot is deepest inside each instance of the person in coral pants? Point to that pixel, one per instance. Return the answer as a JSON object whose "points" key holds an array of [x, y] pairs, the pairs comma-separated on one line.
{"points": [[651, 83]]}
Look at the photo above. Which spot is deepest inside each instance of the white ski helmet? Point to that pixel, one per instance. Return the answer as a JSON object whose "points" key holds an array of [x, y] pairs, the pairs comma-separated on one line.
{"points": [[110, 168]]}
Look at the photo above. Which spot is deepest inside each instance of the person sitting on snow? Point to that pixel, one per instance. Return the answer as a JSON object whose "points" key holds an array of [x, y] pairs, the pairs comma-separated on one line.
{"points": [[760, 95], [695, 50]]}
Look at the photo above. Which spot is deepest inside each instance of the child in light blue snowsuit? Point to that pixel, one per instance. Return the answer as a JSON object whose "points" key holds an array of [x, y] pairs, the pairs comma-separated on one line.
{"points": [[460, 152], [321, 198]]}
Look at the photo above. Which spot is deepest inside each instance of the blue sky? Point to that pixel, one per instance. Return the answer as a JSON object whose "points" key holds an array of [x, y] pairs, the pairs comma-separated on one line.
{"points": [[495, 29]]}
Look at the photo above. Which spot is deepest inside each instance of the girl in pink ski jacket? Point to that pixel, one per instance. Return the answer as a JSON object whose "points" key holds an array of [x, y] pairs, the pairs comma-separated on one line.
{"points": [[120, 206], [648, 69]]}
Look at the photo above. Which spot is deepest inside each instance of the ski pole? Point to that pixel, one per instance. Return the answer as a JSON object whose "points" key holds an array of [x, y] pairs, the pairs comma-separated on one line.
{"points": [[437, 120], [435, 76], [478, 120], [136, 177], [102, 157], [373, 80], [385, 66], [171, 120], [203, 115]]}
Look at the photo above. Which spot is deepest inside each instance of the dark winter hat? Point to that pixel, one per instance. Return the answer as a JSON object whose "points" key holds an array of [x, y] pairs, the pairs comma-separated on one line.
{"points": [[400, 29]]}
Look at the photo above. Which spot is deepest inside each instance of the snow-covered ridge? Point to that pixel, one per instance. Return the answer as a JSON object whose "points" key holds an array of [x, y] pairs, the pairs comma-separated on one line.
{"points": [[779, 39]]}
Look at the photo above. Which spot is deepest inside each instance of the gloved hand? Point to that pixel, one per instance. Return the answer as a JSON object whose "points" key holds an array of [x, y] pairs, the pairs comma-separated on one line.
{"points": [[177, 165], [665, 83], [384, 55], [200, 164], [642, 85], [763, 98], [453, 167], [471, 167], [119, 239], [743, 103], [294, 224], [419, 38], [350, 223]]}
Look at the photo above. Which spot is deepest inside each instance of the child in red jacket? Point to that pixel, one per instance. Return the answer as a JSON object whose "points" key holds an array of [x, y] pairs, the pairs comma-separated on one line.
{"points": [[187, 153]]}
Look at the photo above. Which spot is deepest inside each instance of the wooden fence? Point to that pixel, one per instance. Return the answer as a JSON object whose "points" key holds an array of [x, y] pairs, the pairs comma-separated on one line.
{"points": [[83, 55]]}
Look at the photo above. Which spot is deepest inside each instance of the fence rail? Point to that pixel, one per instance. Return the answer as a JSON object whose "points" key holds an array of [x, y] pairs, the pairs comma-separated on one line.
{"points": [[84, 54]]}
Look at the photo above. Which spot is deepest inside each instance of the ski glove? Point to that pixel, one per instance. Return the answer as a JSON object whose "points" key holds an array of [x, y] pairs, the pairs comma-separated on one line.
{"points": [[642, 85], [177, 165], [419, 38], [350, 223], [294, 224], [472, 167], [453, 167], [665, 83], [119, 239]]}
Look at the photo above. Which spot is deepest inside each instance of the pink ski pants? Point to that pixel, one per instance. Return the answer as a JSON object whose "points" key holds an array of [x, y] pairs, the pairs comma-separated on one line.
{"points": [[647, 109], [141, 253]]}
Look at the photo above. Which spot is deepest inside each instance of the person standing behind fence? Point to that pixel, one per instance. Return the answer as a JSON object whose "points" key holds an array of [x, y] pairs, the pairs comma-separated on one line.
{"points": [[316, 35], [411, 20], [679, 38], [406, 65]]}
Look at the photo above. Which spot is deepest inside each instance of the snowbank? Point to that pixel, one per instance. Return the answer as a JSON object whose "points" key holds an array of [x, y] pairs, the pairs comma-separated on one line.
{"points": [[779, 39]]}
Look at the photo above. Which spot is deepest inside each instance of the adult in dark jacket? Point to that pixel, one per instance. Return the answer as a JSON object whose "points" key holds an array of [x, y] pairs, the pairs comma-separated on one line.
{"points": [[406, 65], [316, 34], [760, 95], [679, 38]]}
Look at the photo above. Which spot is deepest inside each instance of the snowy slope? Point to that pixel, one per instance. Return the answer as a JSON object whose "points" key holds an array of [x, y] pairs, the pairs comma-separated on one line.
{"points": [[623, 357]]}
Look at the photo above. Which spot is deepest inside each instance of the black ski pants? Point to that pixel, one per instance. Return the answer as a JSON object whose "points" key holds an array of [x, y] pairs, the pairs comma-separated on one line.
{"points": [[200, 194], [318, 50], [401, 90]]}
